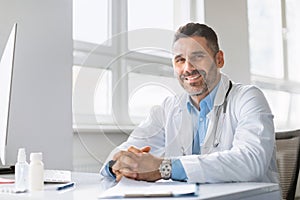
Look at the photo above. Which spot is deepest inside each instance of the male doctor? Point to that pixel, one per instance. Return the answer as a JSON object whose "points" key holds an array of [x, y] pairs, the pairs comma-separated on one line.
{"points": [[218, 131]]}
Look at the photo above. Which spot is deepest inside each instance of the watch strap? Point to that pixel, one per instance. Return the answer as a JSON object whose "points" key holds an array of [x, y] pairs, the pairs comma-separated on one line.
{"points": [[110, 165]]}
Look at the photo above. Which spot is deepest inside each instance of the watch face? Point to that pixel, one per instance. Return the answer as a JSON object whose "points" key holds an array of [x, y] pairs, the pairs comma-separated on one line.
{"points": [[165, 169]]}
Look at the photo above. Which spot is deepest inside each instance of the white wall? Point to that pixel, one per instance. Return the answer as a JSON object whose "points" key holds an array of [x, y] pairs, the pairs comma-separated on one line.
{"points": [[229, 19], [91, 148], [41, 114]]}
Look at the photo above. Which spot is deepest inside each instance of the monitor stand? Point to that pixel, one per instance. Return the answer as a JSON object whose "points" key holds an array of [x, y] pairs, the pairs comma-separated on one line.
{"points": [[7, 169]]}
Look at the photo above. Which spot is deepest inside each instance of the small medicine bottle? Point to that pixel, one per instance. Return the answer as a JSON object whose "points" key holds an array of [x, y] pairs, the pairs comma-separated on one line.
{"points": [[36, 172], [21, 172]]}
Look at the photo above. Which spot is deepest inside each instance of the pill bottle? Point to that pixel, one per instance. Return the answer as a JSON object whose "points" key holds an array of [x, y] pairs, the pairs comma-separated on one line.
{"points": [[36, 172]]}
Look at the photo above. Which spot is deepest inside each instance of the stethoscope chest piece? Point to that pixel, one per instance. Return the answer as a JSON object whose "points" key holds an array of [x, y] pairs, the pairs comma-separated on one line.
{"points": [[216, 143]]}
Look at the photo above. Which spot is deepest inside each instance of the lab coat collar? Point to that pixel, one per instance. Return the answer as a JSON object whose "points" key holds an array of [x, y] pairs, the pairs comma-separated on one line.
{"points": [[223, 87], [219, 98]]}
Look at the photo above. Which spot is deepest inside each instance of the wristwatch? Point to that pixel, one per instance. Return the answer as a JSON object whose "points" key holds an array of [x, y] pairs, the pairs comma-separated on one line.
{"points": [[165, 169]]}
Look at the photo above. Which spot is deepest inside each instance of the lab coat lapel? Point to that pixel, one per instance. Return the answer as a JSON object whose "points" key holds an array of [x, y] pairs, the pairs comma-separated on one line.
{"points": [[208, 141], [179, 133], [172, 134], [218, 102], [186, 132]]}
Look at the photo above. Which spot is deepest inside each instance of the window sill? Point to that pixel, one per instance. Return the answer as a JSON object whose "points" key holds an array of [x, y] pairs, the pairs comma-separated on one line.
{"points": [[94, 128]]}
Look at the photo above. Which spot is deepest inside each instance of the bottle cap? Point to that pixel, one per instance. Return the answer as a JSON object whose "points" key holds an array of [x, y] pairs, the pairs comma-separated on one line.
{"points": [[21, 155], [36, 156]]}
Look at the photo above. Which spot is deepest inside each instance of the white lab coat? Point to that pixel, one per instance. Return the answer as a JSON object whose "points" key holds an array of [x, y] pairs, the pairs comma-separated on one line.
{"points": [[240, 148]]}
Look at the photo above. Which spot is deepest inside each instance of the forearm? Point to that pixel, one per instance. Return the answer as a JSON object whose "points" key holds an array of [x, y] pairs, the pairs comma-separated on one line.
{"points": [[214, 168], [247, 161]]}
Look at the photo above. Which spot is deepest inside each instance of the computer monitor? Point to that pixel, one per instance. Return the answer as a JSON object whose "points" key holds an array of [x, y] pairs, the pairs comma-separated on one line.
{"points": [[6, 75]]}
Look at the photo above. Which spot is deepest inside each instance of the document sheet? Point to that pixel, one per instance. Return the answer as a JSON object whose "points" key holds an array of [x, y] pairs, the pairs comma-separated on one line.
{"points": [[131, 188]]}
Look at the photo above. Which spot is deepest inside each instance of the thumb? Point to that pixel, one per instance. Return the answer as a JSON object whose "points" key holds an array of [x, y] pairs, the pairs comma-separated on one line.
{"points": [[146, 149]]}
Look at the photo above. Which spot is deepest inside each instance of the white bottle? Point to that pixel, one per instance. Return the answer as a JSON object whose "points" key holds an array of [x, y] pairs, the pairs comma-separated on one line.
{"points": [[36, 172], [21, 172]]}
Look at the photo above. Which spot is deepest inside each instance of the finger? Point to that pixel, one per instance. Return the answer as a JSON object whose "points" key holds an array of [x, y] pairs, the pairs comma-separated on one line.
{"points": [[119, 175], [116, 172], [117, 155], [128, 162], [128, 173], [124, 153], [125, 162], [125, 172], [134, 149], [116, 167], [146, 149]]}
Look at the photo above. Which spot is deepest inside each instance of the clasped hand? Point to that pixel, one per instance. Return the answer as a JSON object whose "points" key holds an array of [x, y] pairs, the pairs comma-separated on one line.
{"points": [[137, 164]]}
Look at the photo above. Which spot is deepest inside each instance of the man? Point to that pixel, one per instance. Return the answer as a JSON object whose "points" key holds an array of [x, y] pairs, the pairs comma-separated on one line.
{"points": [[218, 131]]}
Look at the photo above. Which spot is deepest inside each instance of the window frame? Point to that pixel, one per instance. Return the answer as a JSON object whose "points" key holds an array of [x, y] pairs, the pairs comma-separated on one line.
{"points": [[280, 84], [117, 11], [283, 84]]}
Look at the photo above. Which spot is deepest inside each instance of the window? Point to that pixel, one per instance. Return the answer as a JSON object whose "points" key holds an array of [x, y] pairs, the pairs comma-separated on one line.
{"points": [[273, 33], [265, 38], [148, 90], [292, 35], [92, 93], [121, 55], [144, 16], [286, 108], [90, 19]]}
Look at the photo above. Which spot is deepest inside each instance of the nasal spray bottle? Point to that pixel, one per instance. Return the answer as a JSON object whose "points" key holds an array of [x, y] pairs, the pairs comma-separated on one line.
{"points": [[21, 172], [36, 172]]}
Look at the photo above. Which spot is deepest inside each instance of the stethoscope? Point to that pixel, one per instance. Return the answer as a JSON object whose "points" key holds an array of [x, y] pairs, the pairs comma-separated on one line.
{"points": [[215, 127], [216, 140]]}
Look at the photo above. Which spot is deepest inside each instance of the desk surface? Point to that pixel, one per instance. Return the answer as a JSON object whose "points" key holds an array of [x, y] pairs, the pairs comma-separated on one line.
{"points": [[88, 186]]}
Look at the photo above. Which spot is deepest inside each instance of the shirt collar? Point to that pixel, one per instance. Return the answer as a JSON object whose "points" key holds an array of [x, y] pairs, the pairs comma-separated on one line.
{"points": [[206, 104]]}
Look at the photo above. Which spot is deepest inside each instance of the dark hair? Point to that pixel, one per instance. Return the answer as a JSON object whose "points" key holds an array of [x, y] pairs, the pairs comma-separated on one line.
{"points": [[201, 30]]}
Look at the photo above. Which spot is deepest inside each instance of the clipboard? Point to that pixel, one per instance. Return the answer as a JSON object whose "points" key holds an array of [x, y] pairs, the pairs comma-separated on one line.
{"points": [[128, 188]]}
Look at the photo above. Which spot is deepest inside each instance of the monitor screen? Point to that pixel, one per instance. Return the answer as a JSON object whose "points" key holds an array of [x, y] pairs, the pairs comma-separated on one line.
{"points": [[6, 74]]}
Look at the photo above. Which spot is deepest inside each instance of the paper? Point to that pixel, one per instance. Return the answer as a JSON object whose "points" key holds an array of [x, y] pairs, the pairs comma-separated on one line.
{"points": [[131, 188], [6, 181]]}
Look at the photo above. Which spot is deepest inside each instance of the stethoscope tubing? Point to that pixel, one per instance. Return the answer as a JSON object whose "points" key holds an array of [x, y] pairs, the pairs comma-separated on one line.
{"points": [[216, 127]]}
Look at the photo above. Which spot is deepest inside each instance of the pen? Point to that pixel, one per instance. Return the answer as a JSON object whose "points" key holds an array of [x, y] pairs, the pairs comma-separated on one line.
{"points": [[65, 186], [168, 194]]}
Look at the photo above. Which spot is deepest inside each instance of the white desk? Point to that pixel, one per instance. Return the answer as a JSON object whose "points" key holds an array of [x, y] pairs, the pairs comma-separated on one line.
{"points": [[88, 186]]}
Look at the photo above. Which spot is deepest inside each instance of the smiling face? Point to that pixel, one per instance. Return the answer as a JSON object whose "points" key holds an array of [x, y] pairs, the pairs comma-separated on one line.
{"points": [[197, 67]]}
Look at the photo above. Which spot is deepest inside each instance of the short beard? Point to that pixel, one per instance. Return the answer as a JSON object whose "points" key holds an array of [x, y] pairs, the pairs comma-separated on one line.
{"points": [[199, 93], [182, 78]]}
